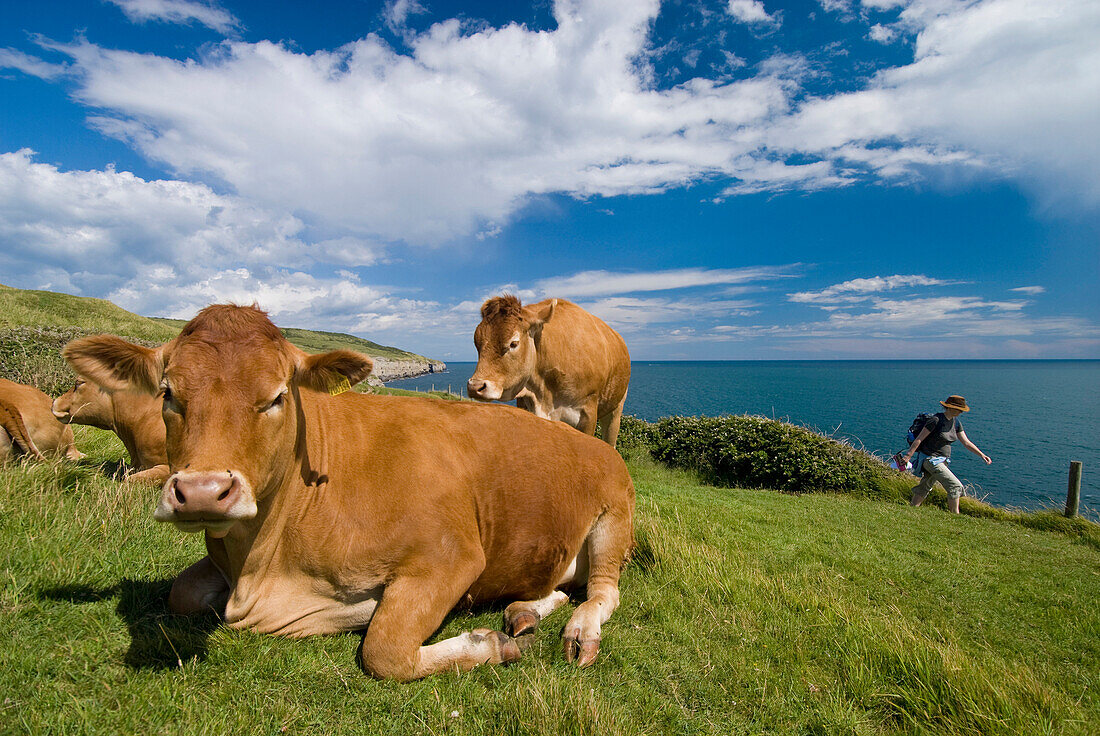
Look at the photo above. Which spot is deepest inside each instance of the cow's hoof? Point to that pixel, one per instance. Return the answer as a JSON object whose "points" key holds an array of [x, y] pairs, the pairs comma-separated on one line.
{"points": [[524, 641], [578, 651], [521, 623], [505, 649]]}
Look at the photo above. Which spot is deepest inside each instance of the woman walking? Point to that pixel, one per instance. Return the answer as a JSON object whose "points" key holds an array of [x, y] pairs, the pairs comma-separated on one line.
{"points": [[934, 441]]}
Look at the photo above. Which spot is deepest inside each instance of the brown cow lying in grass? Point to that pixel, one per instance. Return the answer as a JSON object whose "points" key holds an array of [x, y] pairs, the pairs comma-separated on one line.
{"points": [[133, 416], [555, 360], [327, 513], [28, 427]]}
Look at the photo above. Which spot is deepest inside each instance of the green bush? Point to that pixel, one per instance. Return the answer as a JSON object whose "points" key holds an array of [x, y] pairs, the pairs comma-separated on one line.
{"points": [[755, 452]]}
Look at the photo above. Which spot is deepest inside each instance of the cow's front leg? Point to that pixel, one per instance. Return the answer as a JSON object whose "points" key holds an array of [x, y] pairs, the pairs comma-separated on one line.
{"points": [[521, 617], [589, 415], [198, 589], [156, 474], [412, 607]]}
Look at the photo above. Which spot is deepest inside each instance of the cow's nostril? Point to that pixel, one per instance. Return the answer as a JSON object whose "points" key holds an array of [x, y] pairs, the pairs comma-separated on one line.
{"points": [[180, 498], [225, 494]]}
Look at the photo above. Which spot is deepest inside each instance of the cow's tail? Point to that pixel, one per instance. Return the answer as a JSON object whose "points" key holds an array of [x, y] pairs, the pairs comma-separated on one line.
{"points": [[12, 422]]}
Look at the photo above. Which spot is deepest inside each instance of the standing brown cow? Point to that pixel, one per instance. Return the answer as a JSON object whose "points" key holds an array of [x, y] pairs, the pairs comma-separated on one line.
{"points": [[555, 360], [133, 416], [27, 425], [327, 513]]}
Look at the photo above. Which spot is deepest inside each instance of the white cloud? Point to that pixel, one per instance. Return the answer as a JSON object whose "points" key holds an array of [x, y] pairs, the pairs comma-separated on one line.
{"points": [[439, 143], [606, 283], [1011, 83], [750, 11], [633, 314], [14, 59], [397, 12], [882, 34], [1029, 290], [169, 248], [861, 289], [453, 138], [179, 11], [113, 222], [882, 5]]}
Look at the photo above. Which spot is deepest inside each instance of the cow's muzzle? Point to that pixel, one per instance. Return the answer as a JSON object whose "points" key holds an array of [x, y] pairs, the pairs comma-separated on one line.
{"points": [[482, 390], [62, 415], [205, 500]]}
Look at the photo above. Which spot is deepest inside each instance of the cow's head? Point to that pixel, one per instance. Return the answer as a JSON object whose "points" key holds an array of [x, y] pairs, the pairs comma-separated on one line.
{"points": [[231, 405], [85, 403], [506, 342]]}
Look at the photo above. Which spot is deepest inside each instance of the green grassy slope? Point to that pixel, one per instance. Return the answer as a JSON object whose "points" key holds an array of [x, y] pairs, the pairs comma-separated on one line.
{"points": [[317, 341], [742, 612], [48, 309], [35, 325]]}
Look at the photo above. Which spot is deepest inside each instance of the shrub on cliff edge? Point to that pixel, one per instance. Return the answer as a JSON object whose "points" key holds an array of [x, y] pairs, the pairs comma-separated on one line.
{"points": [[755, 452]]}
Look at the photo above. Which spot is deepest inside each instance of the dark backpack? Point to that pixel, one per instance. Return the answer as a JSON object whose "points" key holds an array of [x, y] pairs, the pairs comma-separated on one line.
{"points": [[917, 425]]}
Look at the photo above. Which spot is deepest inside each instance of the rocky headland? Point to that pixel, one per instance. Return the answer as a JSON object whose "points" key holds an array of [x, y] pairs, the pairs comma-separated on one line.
{"points": [[386, 369]]}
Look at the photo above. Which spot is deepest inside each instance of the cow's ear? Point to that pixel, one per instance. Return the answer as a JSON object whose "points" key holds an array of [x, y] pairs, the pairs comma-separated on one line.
{"points": [[115, 364], [333, 372], [543, 313]]}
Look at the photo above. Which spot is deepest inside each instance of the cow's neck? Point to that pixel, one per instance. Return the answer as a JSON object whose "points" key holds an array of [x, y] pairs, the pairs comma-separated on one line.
{"points": [[254, 548], [122, 424]]}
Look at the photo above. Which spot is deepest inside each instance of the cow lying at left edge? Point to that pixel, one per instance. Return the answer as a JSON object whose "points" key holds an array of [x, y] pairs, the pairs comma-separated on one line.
{"points": [[326, 513], [28, 427]]}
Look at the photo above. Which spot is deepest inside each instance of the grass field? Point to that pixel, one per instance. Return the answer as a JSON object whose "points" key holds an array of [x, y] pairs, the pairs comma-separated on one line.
{"points": [[742, 612]]}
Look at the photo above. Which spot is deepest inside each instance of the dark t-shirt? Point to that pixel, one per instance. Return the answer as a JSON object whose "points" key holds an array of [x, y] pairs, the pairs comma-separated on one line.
{"points": [[941, 433]]}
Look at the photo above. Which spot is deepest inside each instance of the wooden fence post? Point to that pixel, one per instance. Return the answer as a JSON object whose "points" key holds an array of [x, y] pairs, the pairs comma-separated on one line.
{"points": [[1073, 495]]}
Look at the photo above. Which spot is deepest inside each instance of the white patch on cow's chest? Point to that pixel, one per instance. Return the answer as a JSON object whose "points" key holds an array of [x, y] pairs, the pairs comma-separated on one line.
{"points": [[568, 414]]}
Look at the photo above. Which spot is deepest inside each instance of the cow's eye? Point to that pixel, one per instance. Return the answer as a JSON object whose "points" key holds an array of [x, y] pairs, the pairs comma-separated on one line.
{"points": [[275, 403], [513, 345], [170, 402]]}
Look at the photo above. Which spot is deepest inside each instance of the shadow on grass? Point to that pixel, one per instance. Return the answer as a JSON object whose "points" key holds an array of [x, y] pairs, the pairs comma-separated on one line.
{"points": [[159, 639]]}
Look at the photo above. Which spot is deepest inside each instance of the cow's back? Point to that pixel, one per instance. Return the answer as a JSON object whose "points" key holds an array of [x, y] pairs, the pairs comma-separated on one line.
{"points": [[407, 472], [580, 354], [48, 434]]}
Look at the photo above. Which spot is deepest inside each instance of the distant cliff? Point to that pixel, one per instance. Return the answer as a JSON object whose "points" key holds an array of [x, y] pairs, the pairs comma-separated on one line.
{"points": [[386, 370]]}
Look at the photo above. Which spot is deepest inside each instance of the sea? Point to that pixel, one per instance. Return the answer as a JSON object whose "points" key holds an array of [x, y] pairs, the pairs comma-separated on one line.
{"points": [[1032, 417]]}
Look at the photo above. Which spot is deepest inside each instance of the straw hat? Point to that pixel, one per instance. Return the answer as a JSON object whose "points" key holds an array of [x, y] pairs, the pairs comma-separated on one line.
{"points": [[955, 402]]}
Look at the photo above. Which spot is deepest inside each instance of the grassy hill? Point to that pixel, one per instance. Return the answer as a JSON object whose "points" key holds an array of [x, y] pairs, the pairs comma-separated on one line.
{"points": [[49, 309], [317, 341], [35, 325], [742, 611]]}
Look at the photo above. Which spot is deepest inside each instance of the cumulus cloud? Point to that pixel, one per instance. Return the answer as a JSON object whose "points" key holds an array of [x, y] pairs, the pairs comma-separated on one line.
{"points": [[453, 137], [208, 14], [1011, 84], [169, 248], [750, 11], [882, 34]]}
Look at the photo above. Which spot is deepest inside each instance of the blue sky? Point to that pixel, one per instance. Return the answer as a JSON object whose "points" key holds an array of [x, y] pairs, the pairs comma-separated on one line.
{"points": [[726, 179]]}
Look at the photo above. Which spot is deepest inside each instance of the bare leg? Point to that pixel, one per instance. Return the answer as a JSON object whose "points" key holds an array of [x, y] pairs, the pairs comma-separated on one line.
{"points": [[156, 474], [522, 617], [588, 418], [198, 589], [411, 609], [611, 422], [609, 544]]}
